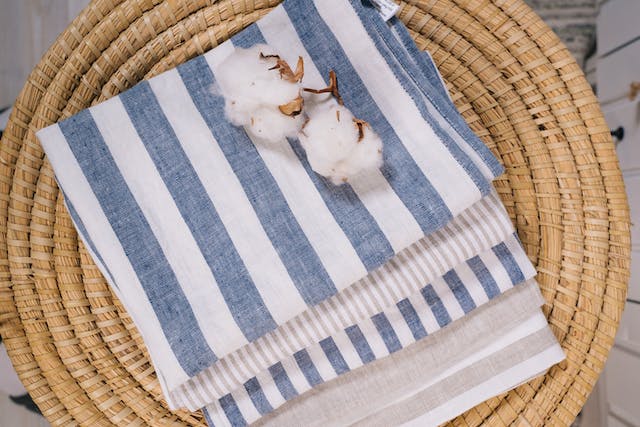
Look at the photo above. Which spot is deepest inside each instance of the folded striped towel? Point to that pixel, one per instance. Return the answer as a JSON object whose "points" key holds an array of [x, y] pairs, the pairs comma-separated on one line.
{"points": [[215, 240], [463, 240], [469, 239], [501, 349], [437, 305], [492, 350]]}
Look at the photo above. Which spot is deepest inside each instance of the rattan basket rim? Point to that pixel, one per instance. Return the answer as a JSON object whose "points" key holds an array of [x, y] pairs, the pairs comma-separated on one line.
{"points": [[77, 351]]}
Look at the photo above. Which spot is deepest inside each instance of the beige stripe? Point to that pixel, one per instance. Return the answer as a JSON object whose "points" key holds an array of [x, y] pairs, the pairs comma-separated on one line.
{"points": [[338, 314], [212, 379], [381, 288], [282, 340], [303, 332], [354, 306], [377, 383], [465, 225], [292, 333], [432, 397]]}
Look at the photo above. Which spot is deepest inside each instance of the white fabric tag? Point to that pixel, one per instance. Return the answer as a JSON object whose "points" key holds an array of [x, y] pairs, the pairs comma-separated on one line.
{"points": [[387, 8]]}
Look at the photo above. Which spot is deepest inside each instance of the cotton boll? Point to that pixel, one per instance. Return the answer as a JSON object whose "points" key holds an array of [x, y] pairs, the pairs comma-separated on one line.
{"points": [[269, 125], [261, 92], [336, 146]]}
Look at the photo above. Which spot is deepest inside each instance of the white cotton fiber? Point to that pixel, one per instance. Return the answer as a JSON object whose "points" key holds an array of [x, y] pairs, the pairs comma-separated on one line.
{"points": [[337, 145], [256, 93]]}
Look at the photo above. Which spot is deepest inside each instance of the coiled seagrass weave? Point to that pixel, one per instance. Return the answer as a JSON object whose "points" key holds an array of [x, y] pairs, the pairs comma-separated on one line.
{"points": [[76, 349]]}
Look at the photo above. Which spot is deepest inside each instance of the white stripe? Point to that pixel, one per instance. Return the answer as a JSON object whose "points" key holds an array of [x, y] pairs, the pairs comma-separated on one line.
{"points": [[446, 175], [295, 374], [392, 216], [245, 405], [496, 385], [527, 268], [346, 348], [270, 389], [321, 362], [70, 176], [318, 223], [500, 275], [448, 298], [169, 227], [460, 142], [473, 285], [232, 205], [400, 326], [374, 339], [425, 314], [217, 415]]}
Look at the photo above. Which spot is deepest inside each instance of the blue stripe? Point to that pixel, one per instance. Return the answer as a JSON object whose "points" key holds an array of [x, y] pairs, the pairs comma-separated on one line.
{"points": [[139, 243], [411, 317], [409, 76], [439, 99], [297, 254], [240, 293], [360, 344], [248, 37], [403, 174], [207, 417], [232, 411], [308, 368], [434, 302], [284, 384], [352, 216], [386, 332], [484, 277], [260, 401], [509, 263], [356, 221], [85, 236], [459, 291], [333, 354]]}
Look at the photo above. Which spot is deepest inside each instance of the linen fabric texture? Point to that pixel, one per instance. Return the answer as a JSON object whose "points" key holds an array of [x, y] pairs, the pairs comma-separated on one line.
{"points": [[493, 349], [239, 265], [217, 238]]}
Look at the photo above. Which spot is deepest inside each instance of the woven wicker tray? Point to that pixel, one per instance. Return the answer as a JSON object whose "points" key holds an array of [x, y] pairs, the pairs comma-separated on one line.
{"points": [[76, 349]]}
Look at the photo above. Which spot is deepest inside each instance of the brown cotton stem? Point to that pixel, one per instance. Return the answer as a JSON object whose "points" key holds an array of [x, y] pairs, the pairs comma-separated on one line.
{"points": [[332, 88], [285, 70], [360, 124]]}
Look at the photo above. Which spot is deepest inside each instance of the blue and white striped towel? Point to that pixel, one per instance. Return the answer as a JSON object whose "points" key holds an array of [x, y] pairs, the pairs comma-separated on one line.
{"points": [[465, 243], [215, 240], [463, 240], [438, 304]]}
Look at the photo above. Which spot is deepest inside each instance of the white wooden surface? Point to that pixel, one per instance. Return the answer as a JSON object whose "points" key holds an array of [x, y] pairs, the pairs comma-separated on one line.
{"points": [[615, 401], [617, 24], [27, 29], [12, 415]]}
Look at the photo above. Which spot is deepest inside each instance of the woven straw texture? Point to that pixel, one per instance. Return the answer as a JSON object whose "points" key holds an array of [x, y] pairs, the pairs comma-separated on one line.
{"points": [[76, 349]]}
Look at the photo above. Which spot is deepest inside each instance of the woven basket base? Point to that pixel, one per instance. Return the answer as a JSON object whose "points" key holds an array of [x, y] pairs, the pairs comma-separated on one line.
{"points": [[76, 349]]}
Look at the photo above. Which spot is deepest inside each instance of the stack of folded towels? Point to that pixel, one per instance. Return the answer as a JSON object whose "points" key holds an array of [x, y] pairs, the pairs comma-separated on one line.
{"points": [[270, 294]]}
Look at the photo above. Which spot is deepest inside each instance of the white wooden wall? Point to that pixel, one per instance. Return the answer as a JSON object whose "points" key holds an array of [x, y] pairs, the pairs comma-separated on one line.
{"points": [[27, 29]]}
